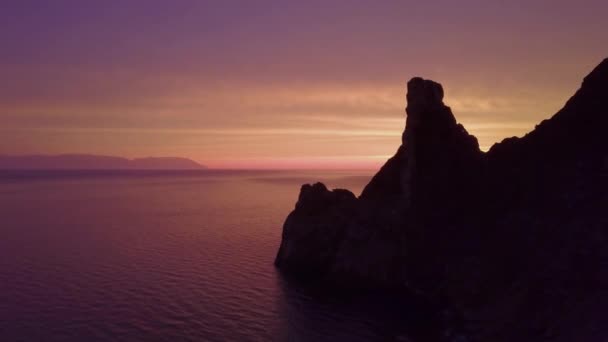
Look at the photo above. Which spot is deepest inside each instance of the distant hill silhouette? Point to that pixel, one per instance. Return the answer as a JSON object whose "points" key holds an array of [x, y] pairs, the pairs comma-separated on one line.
{"points": [[513, 241], [95, 162]]}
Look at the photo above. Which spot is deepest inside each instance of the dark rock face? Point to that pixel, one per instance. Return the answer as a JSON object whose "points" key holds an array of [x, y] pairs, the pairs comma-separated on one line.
{"points": [[515, 239], [319, 222]]}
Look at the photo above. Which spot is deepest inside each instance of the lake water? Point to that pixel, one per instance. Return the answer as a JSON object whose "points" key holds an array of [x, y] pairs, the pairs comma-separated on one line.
{"points": [[165, 256]]}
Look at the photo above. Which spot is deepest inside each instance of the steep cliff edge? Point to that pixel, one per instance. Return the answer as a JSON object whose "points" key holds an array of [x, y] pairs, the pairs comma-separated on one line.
{"points": [[515, 238]]}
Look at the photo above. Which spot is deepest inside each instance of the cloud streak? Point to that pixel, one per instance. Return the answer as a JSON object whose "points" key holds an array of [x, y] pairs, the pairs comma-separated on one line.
{"points": [[230, 81]]}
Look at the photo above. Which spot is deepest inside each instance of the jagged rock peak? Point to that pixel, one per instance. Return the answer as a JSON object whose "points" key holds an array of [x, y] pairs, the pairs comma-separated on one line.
{"points": [[426, 110], [423, 94], [432, 141]]}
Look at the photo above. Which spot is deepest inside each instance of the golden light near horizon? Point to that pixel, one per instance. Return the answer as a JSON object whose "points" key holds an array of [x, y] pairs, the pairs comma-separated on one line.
{"points": [[264, 91], [355, 127]]}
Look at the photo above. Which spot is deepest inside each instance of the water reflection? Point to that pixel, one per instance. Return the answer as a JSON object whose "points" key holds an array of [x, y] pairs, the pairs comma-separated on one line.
{"points": [[314, 313]]}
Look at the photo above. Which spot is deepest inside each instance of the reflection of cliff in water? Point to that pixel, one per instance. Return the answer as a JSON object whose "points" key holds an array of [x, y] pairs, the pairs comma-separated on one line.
{"points": [[314, 313]]}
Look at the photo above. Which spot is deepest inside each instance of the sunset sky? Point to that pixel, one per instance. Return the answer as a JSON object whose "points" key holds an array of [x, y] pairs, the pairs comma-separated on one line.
{"points": [[276, 84]]}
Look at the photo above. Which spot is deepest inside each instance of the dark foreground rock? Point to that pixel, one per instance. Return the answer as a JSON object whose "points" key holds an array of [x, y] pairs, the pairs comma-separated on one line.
{"points": [[515, 239]]}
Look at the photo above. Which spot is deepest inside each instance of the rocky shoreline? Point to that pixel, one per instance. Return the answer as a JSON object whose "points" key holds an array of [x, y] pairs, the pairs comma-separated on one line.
{"points": [[513, 239]]}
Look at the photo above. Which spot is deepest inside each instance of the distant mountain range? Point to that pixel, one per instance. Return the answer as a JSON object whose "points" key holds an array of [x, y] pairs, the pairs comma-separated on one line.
{"points": [[95, 162]]}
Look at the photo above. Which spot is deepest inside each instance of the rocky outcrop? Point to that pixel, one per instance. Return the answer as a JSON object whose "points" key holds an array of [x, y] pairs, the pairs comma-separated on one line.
{"points": [[514, 239]]}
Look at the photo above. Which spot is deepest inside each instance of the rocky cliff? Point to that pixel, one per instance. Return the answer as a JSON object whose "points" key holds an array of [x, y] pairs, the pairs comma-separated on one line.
{"points": [[514, 239]]}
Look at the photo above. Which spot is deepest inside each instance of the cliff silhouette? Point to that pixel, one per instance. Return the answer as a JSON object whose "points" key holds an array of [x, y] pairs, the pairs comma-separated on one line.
{"points": [[514, 240]]}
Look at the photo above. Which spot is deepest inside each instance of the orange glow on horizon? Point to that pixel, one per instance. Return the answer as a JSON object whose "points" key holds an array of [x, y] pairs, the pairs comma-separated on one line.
{"points": [[291, 87], [371, 163]]}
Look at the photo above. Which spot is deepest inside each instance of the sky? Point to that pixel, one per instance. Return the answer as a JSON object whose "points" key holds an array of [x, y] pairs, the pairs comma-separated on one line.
{"points": [[280, 84]]}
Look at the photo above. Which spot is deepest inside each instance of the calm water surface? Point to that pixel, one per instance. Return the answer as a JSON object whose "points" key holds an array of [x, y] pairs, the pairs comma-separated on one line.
{"points": [[165, 256]]}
